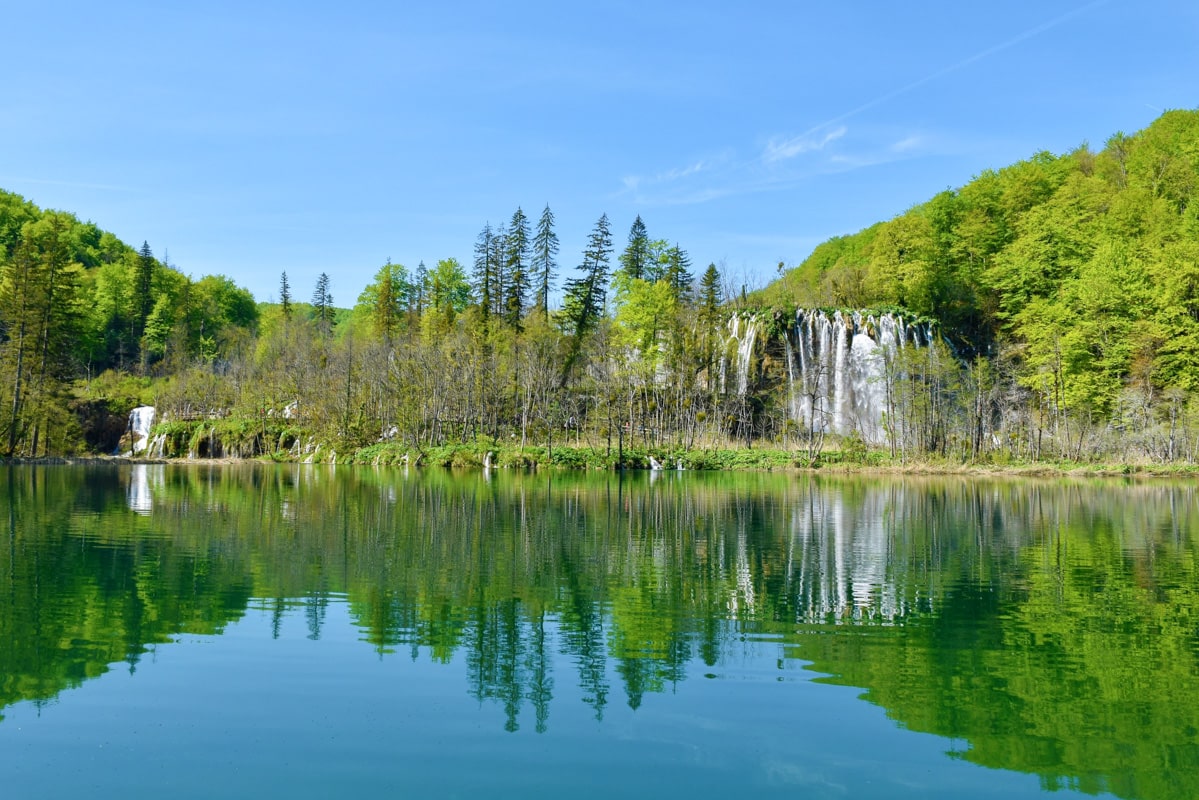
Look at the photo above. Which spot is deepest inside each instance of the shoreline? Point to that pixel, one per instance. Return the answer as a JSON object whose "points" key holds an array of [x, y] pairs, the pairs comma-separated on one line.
{"points": [[925, 468]]}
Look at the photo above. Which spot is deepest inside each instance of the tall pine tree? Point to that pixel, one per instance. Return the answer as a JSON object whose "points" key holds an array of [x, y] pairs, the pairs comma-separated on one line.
{"points": [[322, 302], [484, 272], [285, 296], [585, 295], [678, 274], [418, 290], [499, 272], [516, 268], [143, 285], [545, 267]]}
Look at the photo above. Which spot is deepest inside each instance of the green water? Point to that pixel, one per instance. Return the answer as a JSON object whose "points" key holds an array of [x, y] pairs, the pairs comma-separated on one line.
{"points": [[311, 631]]}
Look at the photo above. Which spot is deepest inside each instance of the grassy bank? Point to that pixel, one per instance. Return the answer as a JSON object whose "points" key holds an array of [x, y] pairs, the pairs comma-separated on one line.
{"points": [[850, 460], [234, 439], [582, 458]]}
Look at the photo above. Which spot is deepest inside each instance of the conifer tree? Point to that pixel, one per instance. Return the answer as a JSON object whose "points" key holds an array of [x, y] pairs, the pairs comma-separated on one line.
{"points": [[285, 296], [143, 284], [585, 295], [545, 267], [635, 260], [484, 271], [678, 273], [322, 301], [418, 290], [710, 298], [710, 293], [499, 274], [516, 268]]}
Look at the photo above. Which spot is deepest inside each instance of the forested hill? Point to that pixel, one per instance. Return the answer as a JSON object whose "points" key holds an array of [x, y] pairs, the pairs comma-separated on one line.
{"points": [[77, 302], [1081, 271], [112, 295]]}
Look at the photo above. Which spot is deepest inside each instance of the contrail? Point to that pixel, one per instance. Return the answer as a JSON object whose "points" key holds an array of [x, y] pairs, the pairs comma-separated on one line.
{"points": [[990, 51]]}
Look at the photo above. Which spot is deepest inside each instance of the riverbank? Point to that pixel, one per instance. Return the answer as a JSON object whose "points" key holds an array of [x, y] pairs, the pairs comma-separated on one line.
{"points": [[482, 454], [852, 460]]}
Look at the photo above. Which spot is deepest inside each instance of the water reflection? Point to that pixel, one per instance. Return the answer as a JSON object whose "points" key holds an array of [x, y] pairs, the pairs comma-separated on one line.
{"points": [[140, 500], [1049, 627]]}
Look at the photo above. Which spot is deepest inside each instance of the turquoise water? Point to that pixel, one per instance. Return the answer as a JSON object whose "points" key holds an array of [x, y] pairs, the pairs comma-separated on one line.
{"points": [[310, 631]]}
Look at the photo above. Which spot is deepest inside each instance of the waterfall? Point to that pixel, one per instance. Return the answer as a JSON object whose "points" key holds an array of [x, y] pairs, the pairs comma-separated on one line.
{"points": [[141, 419], [838, 366], [745, 352], [739, 350]]}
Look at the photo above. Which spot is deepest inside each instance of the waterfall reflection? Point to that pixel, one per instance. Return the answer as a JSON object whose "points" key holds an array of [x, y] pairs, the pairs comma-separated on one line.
{"points": [[1035, 610]]}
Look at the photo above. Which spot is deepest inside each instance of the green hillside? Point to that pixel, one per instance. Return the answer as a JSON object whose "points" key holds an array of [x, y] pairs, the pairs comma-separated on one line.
{"points": [[77, 303], [1078, 273]]}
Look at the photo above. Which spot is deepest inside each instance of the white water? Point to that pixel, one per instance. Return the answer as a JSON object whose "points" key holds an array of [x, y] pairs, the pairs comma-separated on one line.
{"points": [[141, 419], [838, 367]]}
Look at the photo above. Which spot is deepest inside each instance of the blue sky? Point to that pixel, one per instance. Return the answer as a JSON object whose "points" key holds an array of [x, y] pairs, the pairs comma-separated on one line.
{"points": [[251, 138]]}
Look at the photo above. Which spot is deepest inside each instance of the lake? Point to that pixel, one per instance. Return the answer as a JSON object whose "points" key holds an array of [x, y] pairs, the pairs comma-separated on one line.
{"points": [[309, 631]]}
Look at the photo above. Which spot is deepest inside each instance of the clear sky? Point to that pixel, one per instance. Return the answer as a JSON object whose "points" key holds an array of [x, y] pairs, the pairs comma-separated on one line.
{"points": [[250, 138]]}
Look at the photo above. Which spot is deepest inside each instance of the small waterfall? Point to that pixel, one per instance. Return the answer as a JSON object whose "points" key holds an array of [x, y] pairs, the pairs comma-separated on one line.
{"points": [[654, 464], [738, 352], [745, 352], [141, 419]]}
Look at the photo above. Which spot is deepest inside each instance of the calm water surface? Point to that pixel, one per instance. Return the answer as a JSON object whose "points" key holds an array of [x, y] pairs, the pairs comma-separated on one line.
{"points": [[310, 631]]}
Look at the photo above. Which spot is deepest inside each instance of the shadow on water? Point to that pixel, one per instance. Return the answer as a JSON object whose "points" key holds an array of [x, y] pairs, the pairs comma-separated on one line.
{"points": [[1045, 627]]}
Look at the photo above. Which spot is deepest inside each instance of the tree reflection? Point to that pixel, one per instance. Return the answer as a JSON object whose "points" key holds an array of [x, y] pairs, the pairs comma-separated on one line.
{"points": [[1050, 626]]}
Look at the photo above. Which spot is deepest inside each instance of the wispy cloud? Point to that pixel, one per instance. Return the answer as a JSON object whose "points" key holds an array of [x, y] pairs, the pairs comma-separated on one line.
{"points": [[907, 143], [1019, 38], [635, 182], [778, 165], [783, 149]]}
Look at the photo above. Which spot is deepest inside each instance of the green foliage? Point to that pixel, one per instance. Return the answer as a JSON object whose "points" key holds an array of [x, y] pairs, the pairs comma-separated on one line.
{"points": [[384, 300], [644, 312], [1083, 264]]}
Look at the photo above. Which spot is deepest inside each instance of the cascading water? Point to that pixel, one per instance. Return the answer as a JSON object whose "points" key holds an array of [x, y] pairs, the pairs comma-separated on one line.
{"points": [[838, 366], [743, 334], [845, 366], [141, 419]]}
